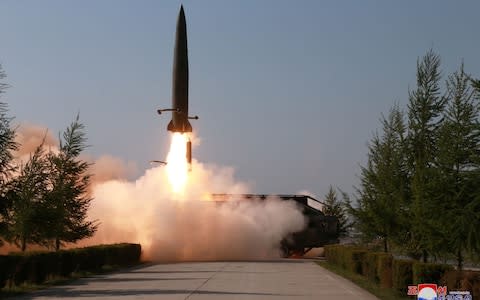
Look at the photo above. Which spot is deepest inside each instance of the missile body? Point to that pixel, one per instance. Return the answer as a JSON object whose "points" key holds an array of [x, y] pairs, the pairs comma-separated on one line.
{"points": [[179, 122], [180, 117]]}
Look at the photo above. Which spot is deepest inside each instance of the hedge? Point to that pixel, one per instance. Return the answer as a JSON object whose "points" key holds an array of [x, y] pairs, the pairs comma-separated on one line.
{"points": [[429, 273], [353, 259], [37, 267], [333, 253], [346, 256], [385, 272], [402, 275], [383, 269], [463, 281], [371, 266]]}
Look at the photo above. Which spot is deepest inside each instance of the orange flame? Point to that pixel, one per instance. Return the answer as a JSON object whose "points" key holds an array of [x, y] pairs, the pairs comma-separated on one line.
{"points": [[177, 166]]}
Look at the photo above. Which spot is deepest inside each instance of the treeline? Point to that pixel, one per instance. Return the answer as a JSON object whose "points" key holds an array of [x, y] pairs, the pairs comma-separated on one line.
{"points": [[420, 188], [44, 200]]}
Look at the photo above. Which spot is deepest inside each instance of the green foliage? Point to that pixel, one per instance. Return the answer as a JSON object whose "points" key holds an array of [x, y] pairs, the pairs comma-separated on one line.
{"points": [[380, 209], [476, 86], [463, 281], [420, 174], [424, 111], [347, 257], [429, 273], [7, 265], [354, 258], [457, 167], [68, 199], [385, 271], [332, 253], [47, 202], [371, 265], [402, 275], [334, 207], [37, 267], [7, 147], [3, 85], [24, 218]]}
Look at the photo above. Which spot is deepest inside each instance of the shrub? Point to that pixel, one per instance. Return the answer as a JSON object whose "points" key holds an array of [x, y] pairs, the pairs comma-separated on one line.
{"points": [[346, 256], [332, 254], [7, 264], [67, 263], [353, 259], [402, 275], [37, 267], [429, 273], [369, 265], [463, 281], [385, 270]]}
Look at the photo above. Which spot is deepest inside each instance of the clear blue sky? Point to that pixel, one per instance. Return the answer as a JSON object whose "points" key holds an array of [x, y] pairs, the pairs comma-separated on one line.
{"points": [[288, 92]]}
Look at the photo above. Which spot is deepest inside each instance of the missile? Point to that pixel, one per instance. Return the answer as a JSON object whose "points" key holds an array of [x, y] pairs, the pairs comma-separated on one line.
{"points": [[180, 117]]}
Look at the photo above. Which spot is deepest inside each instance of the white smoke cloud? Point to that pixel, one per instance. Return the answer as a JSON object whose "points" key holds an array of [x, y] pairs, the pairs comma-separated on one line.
{"points": [[29, 137], [107, 167], [188, 227]]}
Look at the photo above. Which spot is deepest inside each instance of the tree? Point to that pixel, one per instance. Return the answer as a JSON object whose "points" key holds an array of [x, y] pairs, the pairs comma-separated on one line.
{"points": [[458, 168], [68, 199], [7, 147], [28, 191], [383, 192], [3, 85], [476, 86], [334, 207], [424, 114]]}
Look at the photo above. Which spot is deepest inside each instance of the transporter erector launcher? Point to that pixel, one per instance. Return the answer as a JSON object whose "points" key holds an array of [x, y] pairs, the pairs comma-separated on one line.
{"points": [[180, 118]]}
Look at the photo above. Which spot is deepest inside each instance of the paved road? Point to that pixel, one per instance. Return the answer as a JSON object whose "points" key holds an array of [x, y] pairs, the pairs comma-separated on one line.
{"points": [[283, 279]]}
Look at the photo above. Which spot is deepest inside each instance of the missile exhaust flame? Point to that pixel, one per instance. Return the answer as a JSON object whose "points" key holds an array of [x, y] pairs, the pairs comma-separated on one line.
{"points": [[177, 165]]}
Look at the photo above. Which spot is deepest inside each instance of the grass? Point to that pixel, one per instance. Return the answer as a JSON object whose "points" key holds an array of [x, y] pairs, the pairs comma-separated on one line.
{"points": [[363, 282]]}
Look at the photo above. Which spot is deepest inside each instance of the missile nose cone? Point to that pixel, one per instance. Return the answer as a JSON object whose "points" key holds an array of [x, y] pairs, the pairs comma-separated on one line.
{"points": [[181, 14]]}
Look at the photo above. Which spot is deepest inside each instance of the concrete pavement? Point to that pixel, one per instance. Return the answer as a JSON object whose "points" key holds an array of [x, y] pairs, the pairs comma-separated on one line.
{"points": [[282, 279]]}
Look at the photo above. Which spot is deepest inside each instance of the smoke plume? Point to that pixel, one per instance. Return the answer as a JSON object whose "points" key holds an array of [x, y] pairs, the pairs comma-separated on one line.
{"points": [[174, 227], [103, 168]]}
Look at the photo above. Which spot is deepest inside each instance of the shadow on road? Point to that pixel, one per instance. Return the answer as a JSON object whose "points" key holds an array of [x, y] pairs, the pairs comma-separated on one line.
{"points": [[67, 293]]}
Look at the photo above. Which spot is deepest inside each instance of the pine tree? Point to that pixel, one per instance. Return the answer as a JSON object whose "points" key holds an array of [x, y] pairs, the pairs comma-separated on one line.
{"points": [[476, 86], [383, 191], [68, 199], [3, 85], [458, 169], [24, 218], [424, 112], [7, 147], [334, 207]]}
